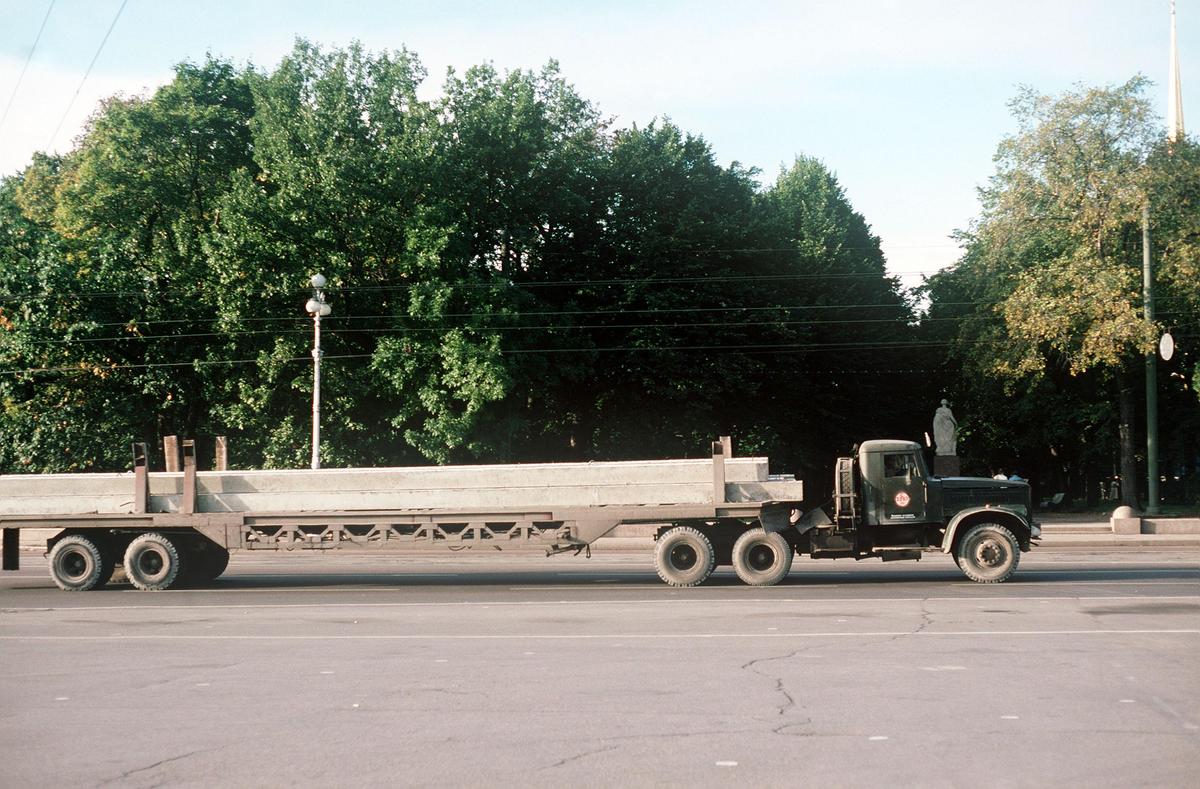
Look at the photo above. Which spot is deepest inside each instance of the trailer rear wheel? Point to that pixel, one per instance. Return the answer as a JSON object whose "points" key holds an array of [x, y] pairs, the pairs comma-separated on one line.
{"points": [[152, 562], [77, 564], [988, 553], [684, 557], [762, 559]]}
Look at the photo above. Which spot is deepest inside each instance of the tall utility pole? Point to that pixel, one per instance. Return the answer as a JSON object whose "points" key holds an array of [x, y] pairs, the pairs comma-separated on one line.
{"points": [[318, 309], [1174, 89], [1151, 372], [1174, 134]]}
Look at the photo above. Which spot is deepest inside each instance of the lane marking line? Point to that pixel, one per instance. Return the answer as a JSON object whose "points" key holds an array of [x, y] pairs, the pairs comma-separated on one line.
{"points": [[706, 601], [606, 636]]}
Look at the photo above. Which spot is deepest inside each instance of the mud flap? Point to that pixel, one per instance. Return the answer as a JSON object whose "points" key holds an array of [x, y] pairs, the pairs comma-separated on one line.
{"points": [[812, 519], [776, 516]]}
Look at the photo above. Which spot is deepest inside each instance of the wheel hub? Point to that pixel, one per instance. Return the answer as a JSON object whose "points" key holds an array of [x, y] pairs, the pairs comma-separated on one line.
{"points": [[683, 557], [761, 557], [150, 563], [73, 565], [990, 553]]}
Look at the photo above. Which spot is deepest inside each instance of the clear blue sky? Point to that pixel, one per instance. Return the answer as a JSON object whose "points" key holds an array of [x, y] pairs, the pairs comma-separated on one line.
{"points": [[904, 99]]}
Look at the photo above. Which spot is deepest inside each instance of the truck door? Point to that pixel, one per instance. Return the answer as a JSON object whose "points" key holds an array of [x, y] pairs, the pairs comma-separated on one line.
{"points": [[903, 489]]}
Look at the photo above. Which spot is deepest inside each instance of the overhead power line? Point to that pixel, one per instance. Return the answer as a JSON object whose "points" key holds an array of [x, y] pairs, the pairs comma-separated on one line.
{"points": [[86, 74], [740, 348], [28, 58], [158, 294]]}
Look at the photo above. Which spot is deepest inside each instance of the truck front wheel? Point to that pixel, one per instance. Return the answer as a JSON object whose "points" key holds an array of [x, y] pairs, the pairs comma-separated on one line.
{"points": [[988, 553], [152, 562], [684, 557], [762, 559]]}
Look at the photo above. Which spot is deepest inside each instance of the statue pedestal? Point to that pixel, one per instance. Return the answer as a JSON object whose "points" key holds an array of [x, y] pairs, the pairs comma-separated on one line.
{"points": [[946, 466]]}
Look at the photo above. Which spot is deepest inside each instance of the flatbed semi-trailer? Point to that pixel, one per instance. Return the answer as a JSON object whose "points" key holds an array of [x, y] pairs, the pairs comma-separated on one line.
{"points": [[886, 506]]}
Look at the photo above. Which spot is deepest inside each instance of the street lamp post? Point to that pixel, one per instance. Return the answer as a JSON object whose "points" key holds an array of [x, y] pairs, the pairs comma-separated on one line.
{"points": [[317, 308]]}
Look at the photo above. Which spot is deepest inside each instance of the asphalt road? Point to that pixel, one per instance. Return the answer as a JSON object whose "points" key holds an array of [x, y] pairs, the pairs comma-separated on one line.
{"points": [[496, 670]]}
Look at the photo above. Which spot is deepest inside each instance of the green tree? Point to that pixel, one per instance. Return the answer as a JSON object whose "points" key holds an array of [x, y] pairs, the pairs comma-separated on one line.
{"points": [[1049, 290], [109, 273]]}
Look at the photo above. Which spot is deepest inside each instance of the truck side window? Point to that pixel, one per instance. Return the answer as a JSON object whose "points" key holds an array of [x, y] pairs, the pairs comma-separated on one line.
{"points": [[898, 465]]}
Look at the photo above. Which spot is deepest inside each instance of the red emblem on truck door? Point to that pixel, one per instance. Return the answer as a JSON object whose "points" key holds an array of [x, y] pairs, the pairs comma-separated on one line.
{"points": [[902, 499]]}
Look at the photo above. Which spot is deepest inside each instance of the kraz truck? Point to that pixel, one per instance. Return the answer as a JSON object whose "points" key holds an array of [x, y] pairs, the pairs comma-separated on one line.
{"points": [[170, 529]]}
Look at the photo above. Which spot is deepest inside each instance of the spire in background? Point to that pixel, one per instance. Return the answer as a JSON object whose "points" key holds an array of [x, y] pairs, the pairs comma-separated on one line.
{"points": [[1174, 91]]}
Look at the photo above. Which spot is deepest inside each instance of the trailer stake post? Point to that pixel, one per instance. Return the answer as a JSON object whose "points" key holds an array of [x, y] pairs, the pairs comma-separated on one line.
{"points": [[141, 479], [188, 505], [170, 453], [221, 462], [720, 450]]}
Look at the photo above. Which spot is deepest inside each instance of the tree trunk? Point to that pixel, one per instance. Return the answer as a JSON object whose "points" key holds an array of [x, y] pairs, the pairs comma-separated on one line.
{"points": [[1129, 471]]}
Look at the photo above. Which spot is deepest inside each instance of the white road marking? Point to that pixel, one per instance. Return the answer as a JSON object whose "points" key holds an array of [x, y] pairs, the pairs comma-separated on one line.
{"points": [[604, 636], [944, 668], [727, 764], [877, 738], [705, 601], [1126, 701], [1010, 717], [62, 698]]}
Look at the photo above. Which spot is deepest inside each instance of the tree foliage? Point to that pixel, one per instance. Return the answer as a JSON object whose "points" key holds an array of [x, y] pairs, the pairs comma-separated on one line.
{"points": [[1045, 308], [511, 279]]}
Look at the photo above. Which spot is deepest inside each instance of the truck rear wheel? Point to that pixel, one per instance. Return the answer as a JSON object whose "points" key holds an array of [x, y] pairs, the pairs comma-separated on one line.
{"points": [[78, 564], [762, 559], [684, 557], [152, 562], [988, 553]]}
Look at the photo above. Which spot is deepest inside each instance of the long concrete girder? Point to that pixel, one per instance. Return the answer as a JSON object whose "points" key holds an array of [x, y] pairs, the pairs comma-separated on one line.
{"points": [[440, 487]]}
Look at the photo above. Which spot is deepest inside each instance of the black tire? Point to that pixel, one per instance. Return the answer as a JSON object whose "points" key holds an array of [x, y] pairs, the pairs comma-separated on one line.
{"points": [[202, 563], [988, 553], [762, 559], [216, 560], [152, 562], [684, 557], [77, 564]]}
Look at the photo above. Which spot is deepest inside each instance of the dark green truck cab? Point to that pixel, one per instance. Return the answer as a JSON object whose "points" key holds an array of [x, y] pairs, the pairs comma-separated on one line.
{"points": [[886, 504]]}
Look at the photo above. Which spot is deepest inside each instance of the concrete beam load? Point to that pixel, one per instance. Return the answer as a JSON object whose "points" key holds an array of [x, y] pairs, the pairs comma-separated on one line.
{"points": [[510, 486]]}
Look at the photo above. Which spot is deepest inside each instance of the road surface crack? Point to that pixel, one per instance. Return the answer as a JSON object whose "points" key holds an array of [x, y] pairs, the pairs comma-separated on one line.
{"points": [[583, 755], [788, 703], [159, 763]]}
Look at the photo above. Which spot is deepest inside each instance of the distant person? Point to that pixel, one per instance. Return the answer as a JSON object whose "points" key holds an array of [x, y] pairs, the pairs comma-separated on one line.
{"points": [[1000, 475], [1017, 478]]}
